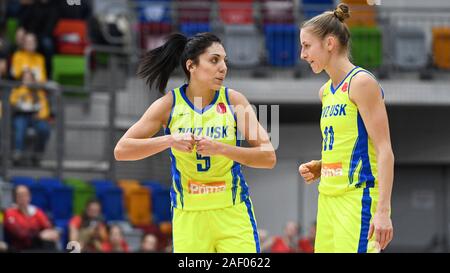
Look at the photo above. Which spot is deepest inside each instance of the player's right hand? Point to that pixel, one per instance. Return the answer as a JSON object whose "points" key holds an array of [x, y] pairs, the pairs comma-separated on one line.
{"points": [[310, 171], [183, 142]]}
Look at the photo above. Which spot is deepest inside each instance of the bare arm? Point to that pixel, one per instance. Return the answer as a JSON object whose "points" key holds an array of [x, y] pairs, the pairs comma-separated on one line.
{"points": [[366, 94], [261, 154], [138, 142]]}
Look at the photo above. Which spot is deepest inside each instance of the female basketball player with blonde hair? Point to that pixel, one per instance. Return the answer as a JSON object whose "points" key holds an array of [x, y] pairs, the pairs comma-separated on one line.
{"points": [[357, 166]]}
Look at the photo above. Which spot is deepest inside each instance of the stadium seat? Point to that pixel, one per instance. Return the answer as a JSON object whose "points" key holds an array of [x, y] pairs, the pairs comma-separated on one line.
{"points": [[362, 14], [243, 44], [140, 206], [102, 183], [22, 180], [82, 193], [155, 11], [406, 43], [111, 199], [161, 205], [193, 11], [236, 11], [69, 69], [190, 29], [39, 196], [160, 197], [61, 202], [49, 181], [153, 34], [278, 12], [128, 182], [70, 36], [441, 47], [282, 44], [127, 187], [366, 46], [11, 28], [312, 8]]}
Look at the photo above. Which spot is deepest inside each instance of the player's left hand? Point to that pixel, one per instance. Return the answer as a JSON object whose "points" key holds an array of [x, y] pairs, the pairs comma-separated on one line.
{"points": [[382, 227], [207, 147]]}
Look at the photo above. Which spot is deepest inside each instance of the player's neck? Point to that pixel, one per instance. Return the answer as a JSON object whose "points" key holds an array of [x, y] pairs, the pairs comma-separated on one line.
{"points": [[338, 68], [197, 94]]}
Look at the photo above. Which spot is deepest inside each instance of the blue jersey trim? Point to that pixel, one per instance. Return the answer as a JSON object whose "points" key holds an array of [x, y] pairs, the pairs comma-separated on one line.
{"points": [[366, 215], [253, 222], [177, 179], [373, 76], [333, 90], [229, 104], [200, 111], [361, 153]]}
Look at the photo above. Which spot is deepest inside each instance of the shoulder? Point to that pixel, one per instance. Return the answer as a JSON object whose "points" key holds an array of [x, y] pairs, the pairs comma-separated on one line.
{"points": [[75, 221], [160, 109], [322, 88], [39, 56], [364, 86], [17, 54], [363, 78], [162, 105], [10, 211], [236, 97]]}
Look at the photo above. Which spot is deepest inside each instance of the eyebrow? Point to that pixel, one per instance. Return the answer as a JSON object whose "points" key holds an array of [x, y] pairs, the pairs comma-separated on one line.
{"points": [[218, 55]]}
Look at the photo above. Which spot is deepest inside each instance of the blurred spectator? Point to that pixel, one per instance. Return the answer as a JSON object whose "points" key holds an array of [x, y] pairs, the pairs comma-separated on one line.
{"points": [[149, 243], [40, 17], [5, 48], [288, 243], [3, 247], [26, 226], [20, 39], [265, 241], [116, 242], [306, 244], [31, 110], [28, 58], [89, 229]]}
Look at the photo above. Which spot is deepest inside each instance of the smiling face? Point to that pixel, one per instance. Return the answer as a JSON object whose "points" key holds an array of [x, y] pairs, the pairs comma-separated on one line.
{"points": [[314, 50], [211, 68]]}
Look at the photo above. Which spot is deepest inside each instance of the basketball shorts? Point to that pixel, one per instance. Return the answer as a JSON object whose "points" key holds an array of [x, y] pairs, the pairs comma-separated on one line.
{"points": [[227, 230], [343, 222]]}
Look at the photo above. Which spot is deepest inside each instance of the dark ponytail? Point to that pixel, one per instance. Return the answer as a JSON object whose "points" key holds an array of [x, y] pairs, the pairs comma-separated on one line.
{"points": [[158, 64]]}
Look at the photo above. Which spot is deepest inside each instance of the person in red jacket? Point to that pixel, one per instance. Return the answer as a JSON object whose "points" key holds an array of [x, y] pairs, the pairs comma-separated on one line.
{"points": [[288, 243], [26, 226], [306, 244], [116, 242]]}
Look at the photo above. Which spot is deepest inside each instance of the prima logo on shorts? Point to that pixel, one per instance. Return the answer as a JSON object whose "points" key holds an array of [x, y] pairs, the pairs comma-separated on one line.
{"points": [[206, 188], [331, 169]]}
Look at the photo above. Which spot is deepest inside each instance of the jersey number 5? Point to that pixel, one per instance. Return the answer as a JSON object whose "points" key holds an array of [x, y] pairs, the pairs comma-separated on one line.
{"points": [[328, 141], [207, 162]]}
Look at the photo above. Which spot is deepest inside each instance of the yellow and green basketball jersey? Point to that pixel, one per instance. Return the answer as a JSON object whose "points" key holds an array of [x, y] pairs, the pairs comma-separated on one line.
{"points": [[205, 182], [348, 154]]}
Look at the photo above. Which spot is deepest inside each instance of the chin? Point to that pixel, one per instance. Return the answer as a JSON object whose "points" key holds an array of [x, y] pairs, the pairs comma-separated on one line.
{"points": [[317, 70]]}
